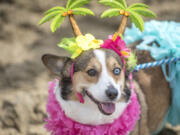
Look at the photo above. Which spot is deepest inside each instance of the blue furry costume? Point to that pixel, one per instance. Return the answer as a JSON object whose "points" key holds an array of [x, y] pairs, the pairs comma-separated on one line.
{"points": [[167, 35]]}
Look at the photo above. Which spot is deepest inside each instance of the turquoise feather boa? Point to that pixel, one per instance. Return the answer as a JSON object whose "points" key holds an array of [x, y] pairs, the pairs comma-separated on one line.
{"points": [[165, 39]]}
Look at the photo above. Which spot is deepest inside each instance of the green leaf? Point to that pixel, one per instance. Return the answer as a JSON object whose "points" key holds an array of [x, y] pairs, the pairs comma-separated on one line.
{"points": [[49, 17], [78, 3], [131, 61], [69, 44], [57, 22], [69, 3], [135, 5], [82, 11], [112, 4], [123, 2], [110, 13], [144, 12], [137, 20], [54, 9]]}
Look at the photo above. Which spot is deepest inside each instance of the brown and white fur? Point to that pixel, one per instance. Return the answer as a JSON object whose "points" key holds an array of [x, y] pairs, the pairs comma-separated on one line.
{"points": [[154, 96], [93, 77], [152, 89]]}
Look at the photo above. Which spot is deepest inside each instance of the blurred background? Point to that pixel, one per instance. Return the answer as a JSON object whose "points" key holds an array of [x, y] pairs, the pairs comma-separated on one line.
{"points": [[23, 78]]}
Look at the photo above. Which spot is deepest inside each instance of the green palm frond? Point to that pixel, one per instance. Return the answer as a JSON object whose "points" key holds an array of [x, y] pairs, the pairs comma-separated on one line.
{"points": [[58, 13], [137, 5], [112, 4], [82, 11], [49, 16], [110, 13], [144, 12], [119, 7], [78, 3], [55, 9], [56, 23], [123, 2], [137, 20], [69, 2]]}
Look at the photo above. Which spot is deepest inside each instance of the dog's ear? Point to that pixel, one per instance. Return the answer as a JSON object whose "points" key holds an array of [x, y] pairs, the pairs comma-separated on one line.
{"points": [[58, 65]]}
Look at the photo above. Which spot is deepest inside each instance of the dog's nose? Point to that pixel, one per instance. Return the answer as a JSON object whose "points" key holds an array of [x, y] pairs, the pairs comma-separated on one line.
{"points": [[111, 92]]}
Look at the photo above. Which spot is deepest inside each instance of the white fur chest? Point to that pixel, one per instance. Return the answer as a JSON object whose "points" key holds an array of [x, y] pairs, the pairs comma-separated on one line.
{"points": [[87, 113]]}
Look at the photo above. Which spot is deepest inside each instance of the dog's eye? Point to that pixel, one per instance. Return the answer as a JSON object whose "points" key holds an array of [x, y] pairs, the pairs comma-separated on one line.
{"points": [[116, 71], [92, 72]]}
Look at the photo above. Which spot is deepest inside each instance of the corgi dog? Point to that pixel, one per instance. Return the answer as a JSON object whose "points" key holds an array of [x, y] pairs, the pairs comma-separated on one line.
{"points": [[99, 77]]}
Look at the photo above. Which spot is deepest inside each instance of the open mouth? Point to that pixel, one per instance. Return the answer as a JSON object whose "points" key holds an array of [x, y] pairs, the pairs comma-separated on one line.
{"points": [[106, 108]]}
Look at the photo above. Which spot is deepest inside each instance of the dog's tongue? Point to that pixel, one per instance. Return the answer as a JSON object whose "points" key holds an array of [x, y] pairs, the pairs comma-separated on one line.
{"points": [[107, 108]]}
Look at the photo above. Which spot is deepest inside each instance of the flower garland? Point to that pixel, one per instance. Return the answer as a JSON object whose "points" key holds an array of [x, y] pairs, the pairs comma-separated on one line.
{"points": [[59, 124]]}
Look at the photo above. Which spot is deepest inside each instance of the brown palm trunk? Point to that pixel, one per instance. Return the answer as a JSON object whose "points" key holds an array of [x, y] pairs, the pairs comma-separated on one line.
{"points": [[74, 25], [123, 24]]}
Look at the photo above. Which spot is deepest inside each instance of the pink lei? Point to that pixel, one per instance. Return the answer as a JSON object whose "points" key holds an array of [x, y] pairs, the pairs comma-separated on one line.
{"points": [[59, 124]]}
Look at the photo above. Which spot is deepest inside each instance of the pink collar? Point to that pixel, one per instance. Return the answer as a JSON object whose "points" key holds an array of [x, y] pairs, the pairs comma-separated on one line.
{"points": [[59, 124]]}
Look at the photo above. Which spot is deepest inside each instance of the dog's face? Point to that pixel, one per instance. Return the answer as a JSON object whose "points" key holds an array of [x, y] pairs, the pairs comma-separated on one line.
{"points": [[98, 74]]}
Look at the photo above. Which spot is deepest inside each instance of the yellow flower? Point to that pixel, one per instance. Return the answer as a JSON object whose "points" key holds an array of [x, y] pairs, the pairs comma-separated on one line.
{"points": [[125, 53], [114, 36], [76, 53], [88, 42], [76, 46]]}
